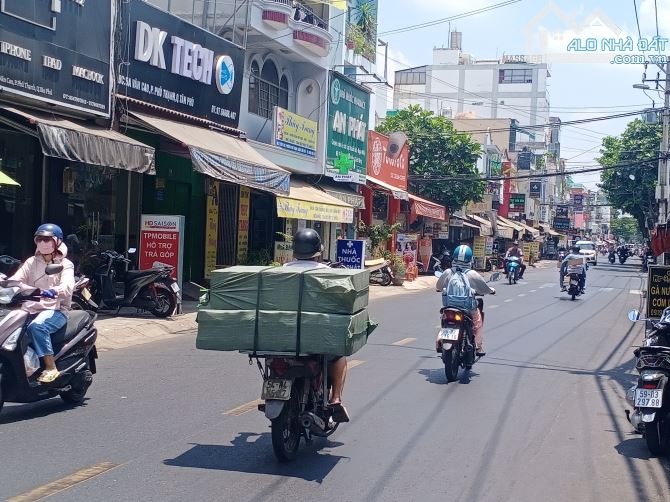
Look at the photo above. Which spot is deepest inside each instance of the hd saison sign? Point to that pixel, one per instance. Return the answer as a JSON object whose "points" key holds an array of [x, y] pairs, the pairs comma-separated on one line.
{"points": [[658, 291], [57, 51]]}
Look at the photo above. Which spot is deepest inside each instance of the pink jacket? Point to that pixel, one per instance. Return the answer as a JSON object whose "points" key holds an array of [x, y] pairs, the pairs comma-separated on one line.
{"points": [[32, 273]]}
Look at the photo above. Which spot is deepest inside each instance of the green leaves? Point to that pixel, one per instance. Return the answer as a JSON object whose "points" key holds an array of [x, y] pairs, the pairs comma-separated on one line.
{"points": [[625, 228], [438, 150], [631, 182]]}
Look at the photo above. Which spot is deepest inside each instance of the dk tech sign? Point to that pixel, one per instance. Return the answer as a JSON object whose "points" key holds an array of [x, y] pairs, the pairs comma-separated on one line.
{"points": [[176, 65]]}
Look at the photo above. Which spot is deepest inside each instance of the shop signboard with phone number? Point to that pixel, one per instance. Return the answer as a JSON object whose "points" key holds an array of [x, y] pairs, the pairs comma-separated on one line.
{"points": [[162, 243]]}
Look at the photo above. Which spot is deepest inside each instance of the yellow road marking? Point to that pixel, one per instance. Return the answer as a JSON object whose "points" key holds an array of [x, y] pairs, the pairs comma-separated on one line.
{"points": [[240, 410], [253, 405], [404, 341], [64, 483]]}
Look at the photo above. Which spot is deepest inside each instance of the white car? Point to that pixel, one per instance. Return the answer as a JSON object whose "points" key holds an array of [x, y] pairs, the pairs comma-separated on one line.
{"points": [[588, 249]]}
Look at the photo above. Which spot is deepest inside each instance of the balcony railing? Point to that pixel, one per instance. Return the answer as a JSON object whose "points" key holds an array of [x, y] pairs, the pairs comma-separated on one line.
{"points": [[305, 14]]}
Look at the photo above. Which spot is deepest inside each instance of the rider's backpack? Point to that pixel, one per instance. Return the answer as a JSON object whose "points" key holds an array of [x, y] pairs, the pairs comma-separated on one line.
{"points": [[458, 293]]}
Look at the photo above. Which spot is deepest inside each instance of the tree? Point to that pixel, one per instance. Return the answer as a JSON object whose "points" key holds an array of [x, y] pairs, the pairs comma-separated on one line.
{"points": [[436, 149], [625, 228], [631, 184]]}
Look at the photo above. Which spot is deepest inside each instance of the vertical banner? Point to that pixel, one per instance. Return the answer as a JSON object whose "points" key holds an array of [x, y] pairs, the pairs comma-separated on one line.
{"points": [[407, 246], [243, 225], [479, 247], [162, 243], [211, 227]]}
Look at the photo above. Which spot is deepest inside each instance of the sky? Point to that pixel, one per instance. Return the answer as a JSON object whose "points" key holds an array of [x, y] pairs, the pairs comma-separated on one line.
{"points": [[583, 85]]}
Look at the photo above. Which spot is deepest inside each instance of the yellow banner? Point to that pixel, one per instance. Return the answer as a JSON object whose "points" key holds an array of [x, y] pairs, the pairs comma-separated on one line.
{"points": [[313, 211], [212, 227], [295, 133], [243, 225], [479, 247]]}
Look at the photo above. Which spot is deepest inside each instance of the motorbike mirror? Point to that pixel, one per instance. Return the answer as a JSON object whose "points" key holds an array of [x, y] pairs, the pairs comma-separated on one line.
{"points": [[634, 315], [53, 269], [132, 251]]}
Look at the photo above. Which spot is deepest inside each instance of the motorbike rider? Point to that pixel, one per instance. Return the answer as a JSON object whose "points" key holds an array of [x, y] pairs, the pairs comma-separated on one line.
{"points": [[307, 250], [567, 269], [462, 260], [515, 250], [56, 295]]}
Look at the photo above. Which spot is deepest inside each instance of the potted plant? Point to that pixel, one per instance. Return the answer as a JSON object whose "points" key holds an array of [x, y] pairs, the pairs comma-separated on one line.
{"points": [[398, 269], [377, 234]]}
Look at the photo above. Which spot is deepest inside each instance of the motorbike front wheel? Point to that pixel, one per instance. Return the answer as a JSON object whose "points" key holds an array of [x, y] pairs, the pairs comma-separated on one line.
{"points": [[286, 429], [382, 278], [652, 434], [166, 301], [452, 361]]}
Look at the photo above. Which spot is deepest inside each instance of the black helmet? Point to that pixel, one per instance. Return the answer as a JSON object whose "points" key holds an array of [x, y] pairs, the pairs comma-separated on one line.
{"points": [[575, 248], [307, 244]]}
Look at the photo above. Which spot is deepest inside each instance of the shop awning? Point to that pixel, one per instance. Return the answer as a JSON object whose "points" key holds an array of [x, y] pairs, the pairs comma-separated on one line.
{"points": [[306, 202], [427, 208], [471, 225], [485, 225], [512, 224], [396, 192], [221, 156], [7, 180], [87, 143], [534, 232], [548, 230], [348, 196]]}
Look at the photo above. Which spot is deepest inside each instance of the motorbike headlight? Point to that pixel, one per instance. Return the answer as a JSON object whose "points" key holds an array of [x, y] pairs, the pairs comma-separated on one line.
{"points": [[12, 341]]}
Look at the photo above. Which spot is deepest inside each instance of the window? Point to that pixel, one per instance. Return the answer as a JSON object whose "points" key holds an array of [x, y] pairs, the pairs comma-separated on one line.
{"points": [[515, 76], [265, 89], [411, 78]]}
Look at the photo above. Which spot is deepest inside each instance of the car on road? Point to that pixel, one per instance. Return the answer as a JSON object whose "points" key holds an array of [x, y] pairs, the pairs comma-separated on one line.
{"points": [[588, 249]]}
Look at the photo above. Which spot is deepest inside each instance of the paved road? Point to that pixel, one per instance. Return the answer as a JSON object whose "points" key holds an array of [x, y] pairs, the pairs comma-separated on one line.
{"points": [[540, 418]]}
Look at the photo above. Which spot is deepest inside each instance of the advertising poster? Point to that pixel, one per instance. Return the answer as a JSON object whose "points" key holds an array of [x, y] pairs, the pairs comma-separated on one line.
{"points": [[211, 227], [517, 203], [479, 247], [243, 225], [384, 168], [295, 133], [283, 252], [407, 246], [425, 250], [658, 290], [162, 243]]}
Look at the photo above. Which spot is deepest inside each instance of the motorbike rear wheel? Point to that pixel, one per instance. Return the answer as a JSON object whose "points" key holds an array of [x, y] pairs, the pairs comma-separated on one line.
{"points": [[652, 434], [80, 384], [286, 429], [452, 361], [166, 301]]}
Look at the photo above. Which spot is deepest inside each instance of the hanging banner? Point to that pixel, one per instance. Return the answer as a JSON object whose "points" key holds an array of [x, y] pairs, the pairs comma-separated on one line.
{"points": [[162, 243], [384, 168], [428, 209], [294, 132], [243, 225], [313, 211], [212, 227]]}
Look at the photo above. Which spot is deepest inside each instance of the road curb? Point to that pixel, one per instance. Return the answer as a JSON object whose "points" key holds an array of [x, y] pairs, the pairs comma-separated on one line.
{"points": [[122, 332]]}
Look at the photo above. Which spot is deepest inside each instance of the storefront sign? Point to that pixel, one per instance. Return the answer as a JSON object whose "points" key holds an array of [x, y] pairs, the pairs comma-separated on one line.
{"points": [[283, 252], [489, 246], [658, 290], [348, 112], [561, 224], [562, 211], [295, 133], [535, 189], [429, 210], [455, 222], [162, 243], [351, 253], [176, 65], [517, 202], [211, 227], [384, 168], [441, 230], [243, 225], [578, 202], [479, 247], [480, 207], [407, 245], [313, 211], [57, 52]]}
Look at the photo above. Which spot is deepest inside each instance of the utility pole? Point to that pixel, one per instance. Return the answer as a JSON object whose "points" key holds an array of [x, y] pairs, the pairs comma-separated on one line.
{"points": [[663, 187]]}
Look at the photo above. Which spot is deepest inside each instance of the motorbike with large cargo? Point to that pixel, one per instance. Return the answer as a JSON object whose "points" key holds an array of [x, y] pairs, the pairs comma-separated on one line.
{"points": [[292, 322]]}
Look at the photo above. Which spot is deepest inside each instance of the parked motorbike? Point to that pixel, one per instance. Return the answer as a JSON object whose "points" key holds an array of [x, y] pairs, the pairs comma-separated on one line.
{"points": [[456, 339], [74, 349], [9, 265], [649, 396], [82, 298], [153, 290], [611, 257], [513, 268], [648, 259], [383, 276]]}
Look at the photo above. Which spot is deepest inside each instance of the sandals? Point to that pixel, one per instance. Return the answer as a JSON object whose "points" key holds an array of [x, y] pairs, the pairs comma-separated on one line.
{"points": [[339, 412], [48, 376]]}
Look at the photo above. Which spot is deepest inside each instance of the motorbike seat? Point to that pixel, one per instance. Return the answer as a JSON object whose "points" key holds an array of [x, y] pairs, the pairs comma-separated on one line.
{"points": [[134, 274], [76, 322]]}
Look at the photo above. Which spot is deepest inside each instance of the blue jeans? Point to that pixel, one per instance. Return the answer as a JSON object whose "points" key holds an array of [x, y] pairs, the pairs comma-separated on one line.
{"points": [[42, 327]]}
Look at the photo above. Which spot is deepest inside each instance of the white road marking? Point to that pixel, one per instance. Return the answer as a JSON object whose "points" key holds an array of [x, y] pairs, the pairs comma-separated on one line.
{"points": [[547, 285], [508, 300], [492, 306], [533, 290], [521, 294], [635, 292], [606, 290], [404, 341]]}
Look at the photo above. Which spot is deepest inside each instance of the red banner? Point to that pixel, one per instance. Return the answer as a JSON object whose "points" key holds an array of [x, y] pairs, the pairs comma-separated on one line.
{"points": [[383, 168], [427, 209]]}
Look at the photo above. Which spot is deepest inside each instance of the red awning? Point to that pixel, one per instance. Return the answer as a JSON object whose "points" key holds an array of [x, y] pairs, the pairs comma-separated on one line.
{"points": [[423, 207]]}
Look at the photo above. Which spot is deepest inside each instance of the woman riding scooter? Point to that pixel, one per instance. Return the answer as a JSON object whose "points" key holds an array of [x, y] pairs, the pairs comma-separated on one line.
{"points": [[56, 293]]}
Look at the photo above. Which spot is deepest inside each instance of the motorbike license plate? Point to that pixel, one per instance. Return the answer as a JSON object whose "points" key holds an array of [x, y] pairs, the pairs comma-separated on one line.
{"points": [[648, 398], [276, 389], [175, 287], [86, 294], [449, 334]]}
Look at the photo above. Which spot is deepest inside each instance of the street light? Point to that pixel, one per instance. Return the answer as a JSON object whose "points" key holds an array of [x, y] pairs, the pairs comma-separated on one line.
{"points": [[644, 87]]}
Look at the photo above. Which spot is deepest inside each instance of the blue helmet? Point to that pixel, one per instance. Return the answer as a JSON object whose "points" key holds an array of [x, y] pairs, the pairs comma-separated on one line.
{"points": [[462, 257], [50, 230]]}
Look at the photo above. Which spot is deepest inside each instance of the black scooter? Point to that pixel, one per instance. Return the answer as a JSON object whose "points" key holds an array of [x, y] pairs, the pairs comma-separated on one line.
{"points": [[612, 257], [74, 349], [152, 290]]}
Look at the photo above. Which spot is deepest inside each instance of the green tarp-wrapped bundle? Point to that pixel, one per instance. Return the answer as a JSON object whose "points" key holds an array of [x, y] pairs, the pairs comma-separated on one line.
{"points": [[259, 308]]}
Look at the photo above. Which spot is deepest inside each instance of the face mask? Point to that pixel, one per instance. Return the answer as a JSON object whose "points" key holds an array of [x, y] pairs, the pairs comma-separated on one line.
{"points": [[46, 247]]}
